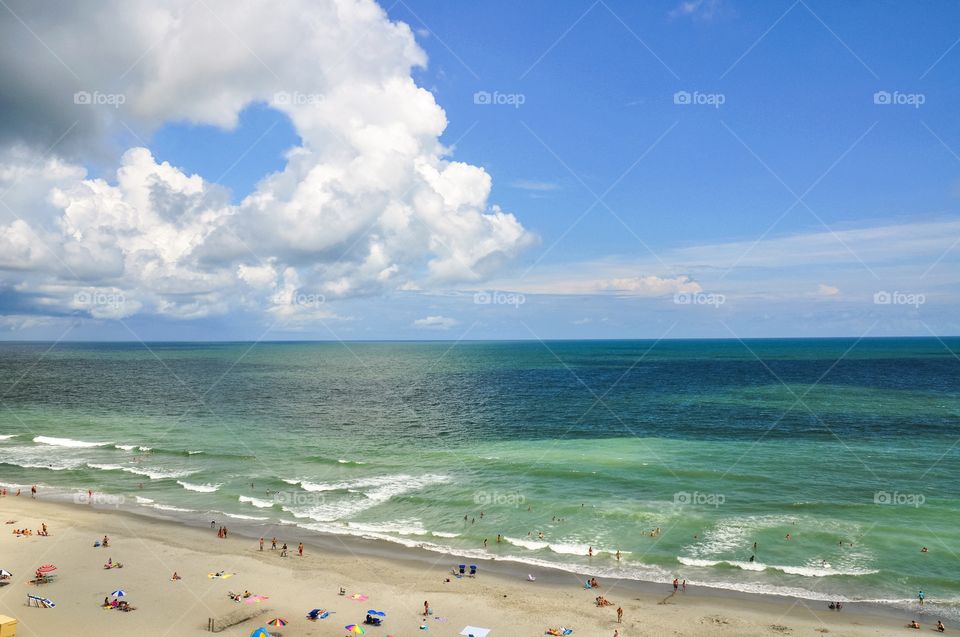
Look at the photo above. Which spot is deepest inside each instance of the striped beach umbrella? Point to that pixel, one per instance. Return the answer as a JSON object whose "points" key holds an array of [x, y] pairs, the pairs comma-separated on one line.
{"points": [[47, 568], [353, 628], [118, 593], [277, 621]]}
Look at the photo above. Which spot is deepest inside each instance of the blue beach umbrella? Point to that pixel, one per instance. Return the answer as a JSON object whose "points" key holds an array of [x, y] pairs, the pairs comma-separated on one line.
{"points": [[261, 632], [118, 593], [378, 613]]}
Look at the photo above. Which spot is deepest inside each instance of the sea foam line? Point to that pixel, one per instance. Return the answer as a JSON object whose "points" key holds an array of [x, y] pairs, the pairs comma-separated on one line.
{"points": [[68, 442]]}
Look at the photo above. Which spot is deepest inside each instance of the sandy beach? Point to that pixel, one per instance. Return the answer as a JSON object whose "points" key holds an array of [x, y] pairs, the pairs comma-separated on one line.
{"points": [[151, 550]]}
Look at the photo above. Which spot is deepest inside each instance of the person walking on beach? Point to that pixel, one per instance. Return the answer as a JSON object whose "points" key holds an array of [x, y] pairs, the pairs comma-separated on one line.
{"points": [[300, 549], [920, 597], [619, 614], [676, 584], [426, 608], [273, 544], [683, 586], [261, 544], [33, 491]]}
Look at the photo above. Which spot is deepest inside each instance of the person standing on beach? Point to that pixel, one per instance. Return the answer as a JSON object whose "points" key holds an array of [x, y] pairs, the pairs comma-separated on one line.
{"points": [[683, 586], [300, 549], [33, 491], [676, 584], [426, 608], [261, 544], [273, 544], [619, 614], [920, 597]]}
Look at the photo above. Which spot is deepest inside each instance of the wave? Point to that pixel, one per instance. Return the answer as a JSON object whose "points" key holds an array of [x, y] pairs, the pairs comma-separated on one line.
{"points": [[400, 527], [142, 500], [168, 507], [7, 436], [245, 517], [260, 504], [360, 494], [444, 534], [805, 571], [559, 547], [68, 442], [201, 488], [153, 474], [132, 447]]}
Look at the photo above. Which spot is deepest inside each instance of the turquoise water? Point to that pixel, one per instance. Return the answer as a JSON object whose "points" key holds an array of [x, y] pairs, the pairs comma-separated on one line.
{"points": [[720, 444]]}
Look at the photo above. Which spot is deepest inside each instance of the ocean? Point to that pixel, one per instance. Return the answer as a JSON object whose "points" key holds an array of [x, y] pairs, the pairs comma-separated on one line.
{"points": [[849, 446]]}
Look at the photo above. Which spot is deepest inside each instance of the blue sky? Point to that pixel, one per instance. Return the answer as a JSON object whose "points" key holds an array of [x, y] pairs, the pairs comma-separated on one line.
{"points": [[780, 204]]}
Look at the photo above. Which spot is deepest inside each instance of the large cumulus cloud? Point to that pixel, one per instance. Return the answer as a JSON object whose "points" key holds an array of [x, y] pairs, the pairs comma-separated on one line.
{"points": [[369, 201]]}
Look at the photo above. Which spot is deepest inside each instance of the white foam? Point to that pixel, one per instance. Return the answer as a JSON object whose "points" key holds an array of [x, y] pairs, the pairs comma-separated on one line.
{"points": [[193, 453], [400, 527], [142, 500], [7, 436], [445, 534], [125, 447], [153, 474], [68, 442], [805, 571], [260, 504], [201, 488], [167, 507], [365, 493], [245, 517]]}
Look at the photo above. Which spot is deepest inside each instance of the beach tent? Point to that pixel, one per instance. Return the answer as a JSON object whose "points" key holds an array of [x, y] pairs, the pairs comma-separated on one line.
{"points": [[4, 573], [39, 602], [260, 632], [473, 631]]}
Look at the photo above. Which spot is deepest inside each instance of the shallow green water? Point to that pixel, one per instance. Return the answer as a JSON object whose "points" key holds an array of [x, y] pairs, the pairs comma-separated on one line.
{"points": [[720, 444]]}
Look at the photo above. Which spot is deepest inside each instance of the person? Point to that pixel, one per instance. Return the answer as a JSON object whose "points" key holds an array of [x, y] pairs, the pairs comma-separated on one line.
{"points": [[915, 624], [619, 614], [618, 555], [923, 550], [590, 552], [273, 544], [753, 557], [616, 633], [426, 608], [106, 542], [788, 536], [261, 544], [676, 584], [920, 597], [940, 626], [683, 586], [300, 549], [33, 491], [175, 576], [283, 550]]}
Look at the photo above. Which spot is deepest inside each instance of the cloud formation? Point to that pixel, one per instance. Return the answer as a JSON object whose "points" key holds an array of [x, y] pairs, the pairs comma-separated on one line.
{"points": [[370, 201]]}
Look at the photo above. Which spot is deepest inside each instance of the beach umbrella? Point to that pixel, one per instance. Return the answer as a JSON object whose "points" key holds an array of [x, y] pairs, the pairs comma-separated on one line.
{"points": [[260, 632], [118, 593], [47, 568], [353, 628], [5, 573], [277, 621], [378, 613]]}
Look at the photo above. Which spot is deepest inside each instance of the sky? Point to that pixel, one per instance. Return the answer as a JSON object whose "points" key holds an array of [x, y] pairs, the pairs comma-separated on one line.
{"points": [[214, 170]]}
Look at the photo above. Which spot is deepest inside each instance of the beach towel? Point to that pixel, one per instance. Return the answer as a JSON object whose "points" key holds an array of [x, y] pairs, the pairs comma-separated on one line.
{"points": [[220, 575], [253, 599], [358, 597], [473, 631]]}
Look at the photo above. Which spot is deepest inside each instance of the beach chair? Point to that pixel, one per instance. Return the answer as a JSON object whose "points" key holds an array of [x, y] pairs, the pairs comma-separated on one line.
{"points": [[473, 570], [463, 568]]}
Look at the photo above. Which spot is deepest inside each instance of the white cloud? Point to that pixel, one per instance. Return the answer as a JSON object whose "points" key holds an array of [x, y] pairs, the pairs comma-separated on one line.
{"points": [[696, 9], [370, 202], [436, 322], [827, 290]]}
